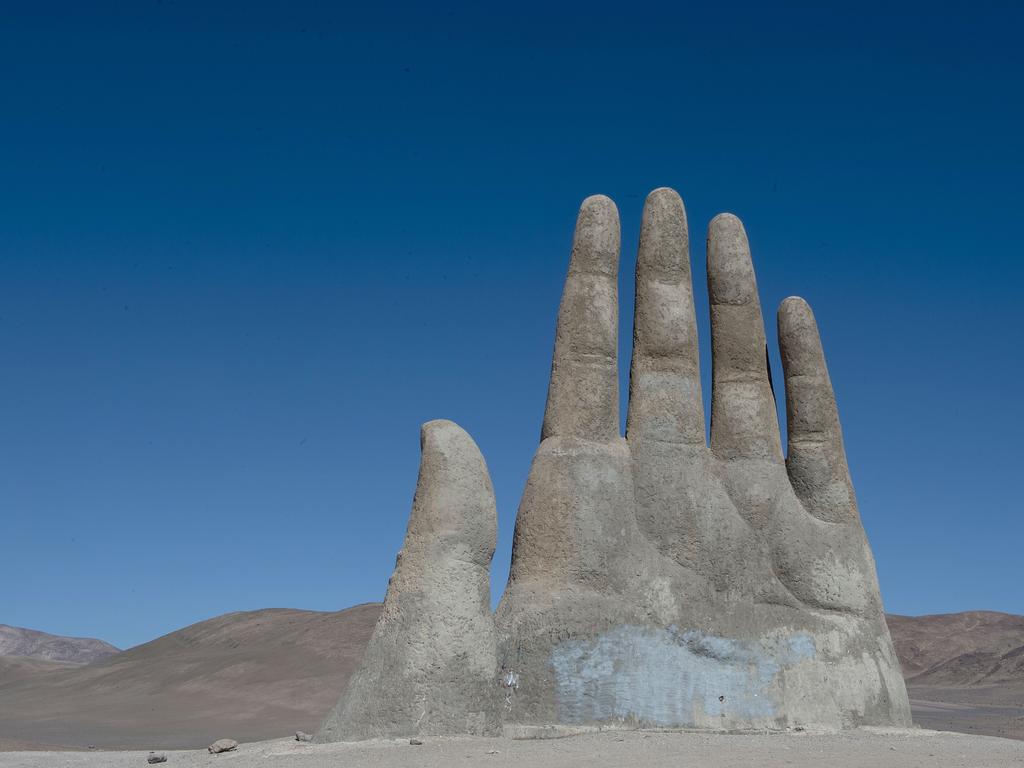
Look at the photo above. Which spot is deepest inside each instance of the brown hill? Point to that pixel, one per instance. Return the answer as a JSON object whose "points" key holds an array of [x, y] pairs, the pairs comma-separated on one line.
{"points": [[31, 643], [245, 676], [975, 668], [924, 643]]}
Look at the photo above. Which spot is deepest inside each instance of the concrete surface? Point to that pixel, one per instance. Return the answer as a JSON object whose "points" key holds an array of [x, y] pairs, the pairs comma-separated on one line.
{"points": [[429, 666], [657, 580]]}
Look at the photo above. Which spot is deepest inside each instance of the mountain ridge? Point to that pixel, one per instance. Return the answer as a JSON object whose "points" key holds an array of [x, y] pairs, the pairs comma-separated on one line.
{"points": [[35, 644], [927, 643]]}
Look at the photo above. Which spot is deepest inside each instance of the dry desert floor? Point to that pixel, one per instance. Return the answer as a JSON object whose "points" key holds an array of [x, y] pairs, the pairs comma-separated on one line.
{"points": [[866, 748]]}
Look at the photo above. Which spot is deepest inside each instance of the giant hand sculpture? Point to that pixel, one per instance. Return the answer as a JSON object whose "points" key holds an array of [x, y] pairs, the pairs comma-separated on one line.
{"points": [[655, 580]]}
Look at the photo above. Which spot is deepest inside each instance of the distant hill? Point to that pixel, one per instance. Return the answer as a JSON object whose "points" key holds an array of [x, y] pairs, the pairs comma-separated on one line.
{"points": [[246, 676], [959, 648], [33, 644]]}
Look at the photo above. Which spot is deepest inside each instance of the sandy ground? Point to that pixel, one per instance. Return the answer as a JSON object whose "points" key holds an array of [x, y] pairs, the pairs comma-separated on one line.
{"points": [[867, 748], [966, 717]]}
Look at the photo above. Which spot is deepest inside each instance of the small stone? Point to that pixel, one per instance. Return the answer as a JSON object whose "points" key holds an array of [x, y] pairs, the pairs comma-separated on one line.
{"points": [[303, 736], [156, 757], [493, 752], [416, 742], [222, 745]]}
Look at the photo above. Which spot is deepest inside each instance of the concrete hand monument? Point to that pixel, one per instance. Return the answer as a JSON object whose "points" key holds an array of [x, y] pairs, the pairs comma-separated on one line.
{"points": [[656, 580]]}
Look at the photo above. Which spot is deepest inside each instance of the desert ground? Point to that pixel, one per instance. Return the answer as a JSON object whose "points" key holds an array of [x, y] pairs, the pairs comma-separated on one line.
{"points": [[996, 711], [259, 675], [872, 748]]}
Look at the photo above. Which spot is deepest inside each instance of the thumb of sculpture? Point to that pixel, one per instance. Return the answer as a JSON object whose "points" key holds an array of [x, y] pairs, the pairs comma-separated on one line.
{"points": [[430, 664]]}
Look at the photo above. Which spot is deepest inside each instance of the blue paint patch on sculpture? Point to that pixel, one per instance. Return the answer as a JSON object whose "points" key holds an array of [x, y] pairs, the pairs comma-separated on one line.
{"points": [[668, 677]]}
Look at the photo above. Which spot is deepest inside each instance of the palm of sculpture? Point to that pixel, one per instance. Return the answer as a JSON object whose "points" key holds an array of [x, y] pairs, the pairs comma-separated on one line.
{"points": [[655, 580]]}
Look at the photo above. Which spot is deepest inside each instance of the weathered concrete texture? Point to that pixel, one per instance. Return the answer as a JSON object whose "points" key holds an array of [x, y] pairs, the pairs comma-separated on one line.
{"points": [[656, 579], [429, 668], [583, 397]]}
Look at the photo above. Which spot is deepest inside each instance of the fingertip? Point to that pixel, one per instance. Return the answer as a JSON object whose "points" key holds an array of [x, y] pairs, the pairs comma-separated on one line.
{"points": [[664, 210], [434, 427], [795, 317], [799, 340], [730, 269], [596, 240], [726, 224], [454, 494], [598, 198], [794, 310], [794, 304], [438, 424], [445, 436], [663, 196], [664, 236], [600, 206]]}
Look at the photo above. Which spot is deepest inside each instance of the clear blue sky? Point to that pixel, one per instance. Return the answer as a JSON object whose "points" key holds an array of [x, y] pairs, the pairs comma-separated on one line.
{"points": [[246, 250]]}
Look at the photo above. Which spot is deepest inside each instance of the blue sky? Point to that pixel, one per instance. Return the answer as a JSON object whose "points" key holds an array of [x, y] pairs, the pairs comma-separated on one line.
{"points": [[246, 250]]}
